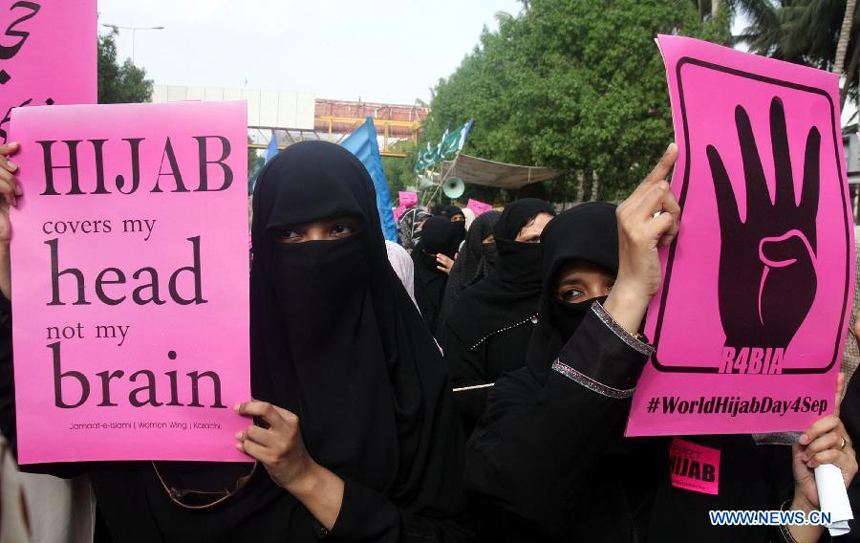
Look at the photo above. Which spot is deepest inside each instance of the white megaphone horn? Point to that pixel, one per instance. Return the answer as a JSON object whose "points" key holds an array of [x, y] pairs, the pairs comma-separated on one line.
{"points": [[453, 187]]}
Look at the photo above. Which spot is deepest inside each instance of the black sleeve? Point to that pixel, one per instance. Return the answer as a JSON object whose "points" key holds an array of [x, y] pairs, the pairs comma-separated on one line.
{"points": [[535, 449], [7, 383], [465, 366], [367, 515], [7, 401], [850, 415]]}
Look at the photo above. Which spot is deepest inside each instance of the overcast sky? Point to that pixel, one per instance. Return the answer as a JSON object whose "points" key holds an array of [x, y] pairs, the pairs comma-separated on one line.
{"points": [[379, 50]]}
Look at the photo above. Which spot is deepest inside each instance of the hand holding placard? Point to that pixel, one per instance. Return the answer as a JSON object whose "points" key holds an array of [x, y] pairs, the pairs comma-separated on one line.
{"points": [[824, 464], [767, 262], [9, 192], [281, 450]]}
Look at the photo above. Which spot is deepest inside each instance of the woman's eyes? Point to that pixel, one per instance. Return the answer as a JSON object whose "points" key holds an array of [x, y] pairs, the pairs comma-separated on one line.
{"points": [[571, 294], [574, 295], [342, 230], [288, 235]]}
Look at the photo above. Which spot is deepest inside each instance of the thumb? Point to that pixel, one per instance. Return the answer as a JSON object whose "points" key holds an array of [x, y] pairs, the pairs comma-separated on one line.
{"points": [[785, 250], [840, 388], [5, 228]]}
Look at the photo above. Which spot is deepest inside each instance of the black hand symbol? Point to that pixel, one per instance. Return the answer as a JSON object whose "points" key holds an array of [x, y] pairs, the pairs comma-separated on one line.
{"points": [[767, 264]]}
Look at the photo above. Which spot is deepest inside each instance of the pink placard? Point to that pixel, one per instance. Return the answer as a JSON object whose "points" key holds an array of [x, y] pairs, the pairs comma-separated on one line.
{"points": [[750, 322], [407, 199], [130, 281], [694, 467], [478, 207], [47, 54]]}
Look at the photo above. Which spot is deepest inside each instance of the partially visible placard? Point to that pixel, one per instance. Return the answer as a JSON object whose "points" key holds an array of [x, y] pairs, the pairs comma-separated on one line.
{"points": [[479, 207], [130, 281], [48, 54], [408, 198], [749, 325]]}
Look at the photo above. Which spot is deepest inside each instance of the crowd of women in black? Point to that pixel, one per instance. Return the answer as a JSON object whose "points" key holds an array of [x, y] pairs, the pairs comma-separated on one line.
{"points": [[490, 410]]}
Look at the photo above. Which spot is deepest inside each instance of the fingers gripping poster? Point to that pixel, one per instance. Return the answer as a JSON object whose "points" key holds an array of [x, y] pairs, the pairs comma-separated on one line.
{"points": [[130, 281], [750, 321]]}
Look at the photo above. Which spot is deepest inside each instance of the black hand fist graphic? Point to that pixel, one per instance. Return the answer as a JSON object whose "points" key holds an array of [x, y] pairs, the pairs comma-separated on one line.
{"points": [[767, 263]]}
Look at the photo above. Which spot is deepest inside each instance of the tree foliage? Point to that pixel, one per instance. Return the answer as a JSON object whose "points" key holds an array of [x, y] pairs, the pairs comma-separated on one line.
{"points": [[120, 83], [398, 171], [804, 32], [571, 84]]}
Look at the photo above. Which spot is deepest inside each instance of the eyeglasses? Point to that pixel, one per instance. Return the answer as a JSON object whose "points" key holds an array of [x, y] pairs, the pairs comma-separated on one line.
{"points": [[200, 499]]}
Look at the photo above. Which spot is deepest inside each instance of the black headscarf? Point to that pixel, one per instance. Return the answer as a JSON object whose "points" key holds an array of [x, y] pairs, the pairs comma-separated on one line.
{"points": [[440, 210], [476, 259], [336, 340], [510, 294], [453, 211], [587, 232], [438, 236]]}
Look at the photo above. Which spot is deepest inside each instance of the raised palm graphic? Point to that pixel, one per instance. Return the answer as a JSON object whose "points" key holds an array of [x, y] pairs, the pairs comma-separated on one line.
{"points": [[767, 263]]}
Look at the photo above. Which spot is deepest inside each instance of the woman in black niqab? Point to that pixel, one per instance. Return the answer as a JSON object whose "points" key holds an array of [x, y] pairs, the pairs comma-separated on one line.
{"points": [[439, 236], [589, 233], [456, 215], [336, 340], [487, 331], [475, 261], [502, 473]]}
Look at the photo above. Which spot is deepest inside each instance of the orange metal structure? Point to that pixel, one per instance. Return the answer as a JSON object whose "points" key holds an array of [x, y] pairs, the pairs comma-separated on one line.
{"points": [[393, 121]]}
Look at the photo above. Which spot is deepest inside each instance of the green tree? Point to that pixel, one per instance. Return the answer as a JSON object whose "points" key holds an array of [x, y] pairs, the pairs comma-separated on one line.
{"points": [[255, 164], [398, 171], [572, 84], [818, 33], [120, 83]]}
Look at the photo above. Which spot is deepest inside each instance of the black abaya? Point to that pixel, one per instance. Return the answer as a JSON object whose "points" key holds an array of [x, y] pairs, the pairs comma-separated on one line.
{"points": [[487, 331], [438, 236], [476, 260], [548, 462]]}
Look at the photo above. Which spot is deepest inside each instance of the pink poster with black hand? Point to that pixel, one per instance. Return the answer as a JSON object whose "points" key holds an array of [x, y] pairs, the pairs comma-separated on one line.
{"points": [[130, 281], [751, 318]]}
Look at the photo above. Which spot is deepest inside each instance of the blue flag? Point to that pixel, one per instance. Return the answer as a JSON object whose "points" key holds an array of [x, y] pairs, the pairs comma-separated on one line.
{"points": [[362, 143], [272, 150]]}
